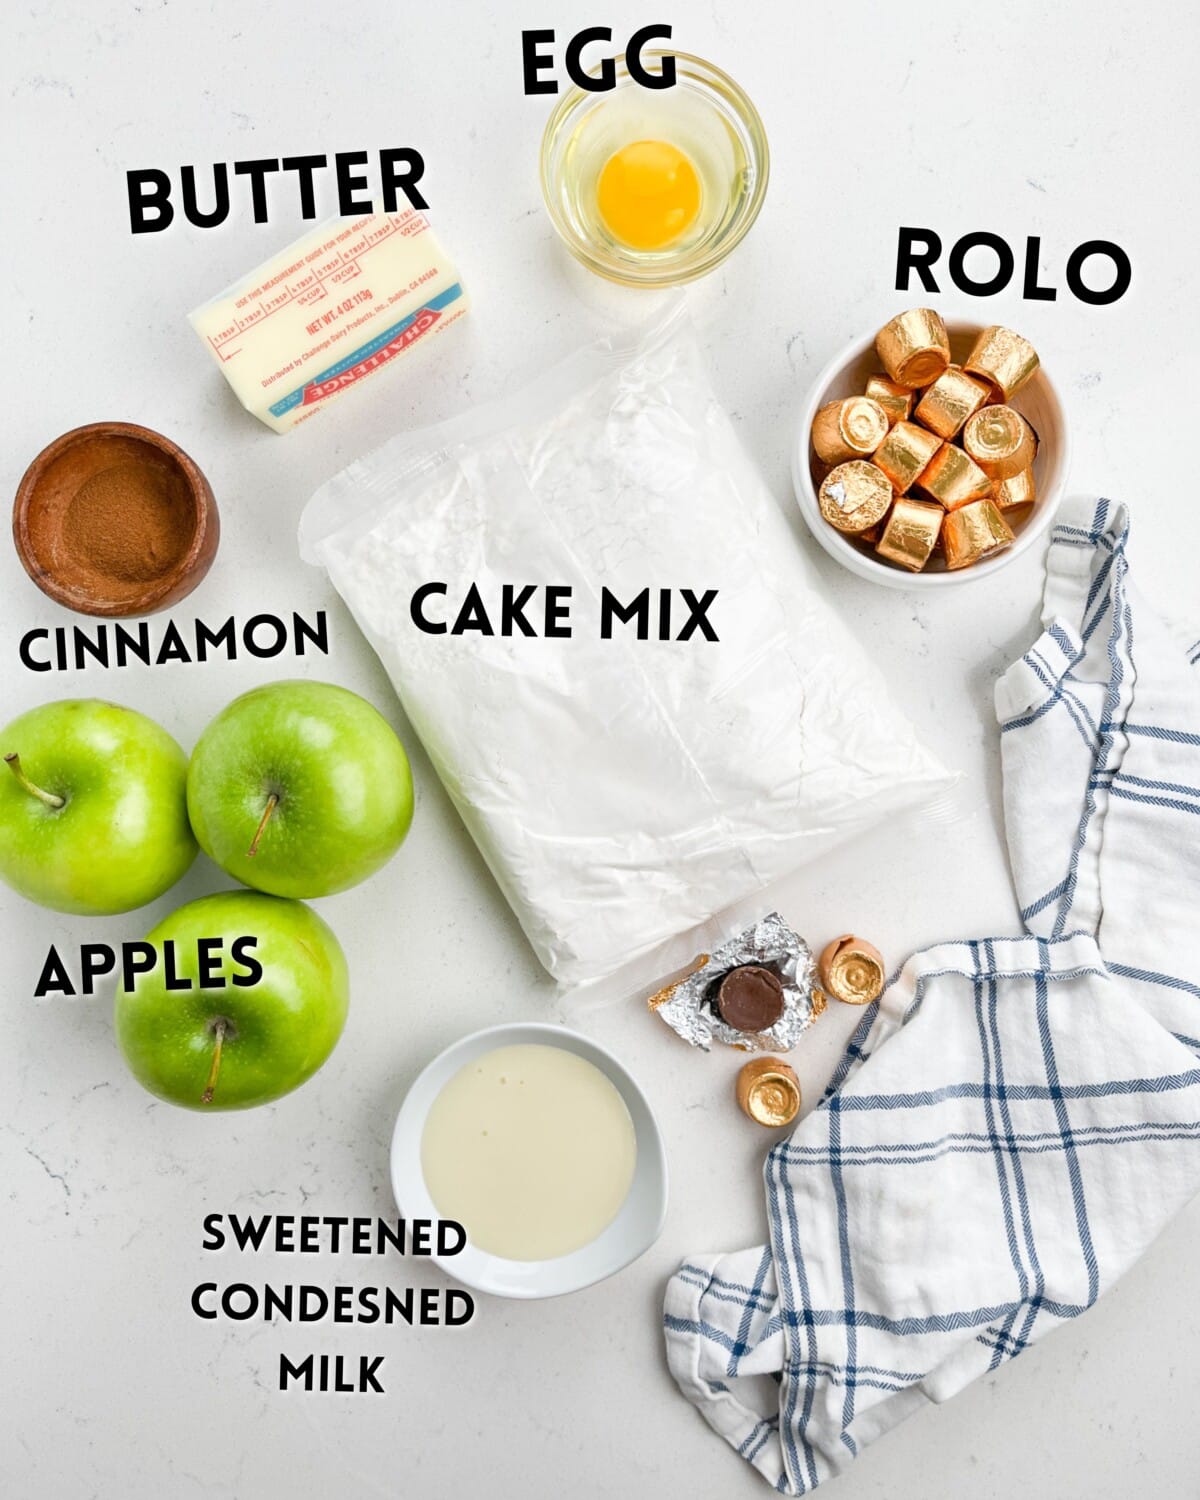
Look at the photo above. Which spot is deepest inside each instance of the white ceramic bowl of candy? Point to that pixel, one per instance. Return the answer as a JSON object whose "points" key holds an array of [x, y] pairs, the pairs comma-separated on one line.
{"points": [[847, 374]]}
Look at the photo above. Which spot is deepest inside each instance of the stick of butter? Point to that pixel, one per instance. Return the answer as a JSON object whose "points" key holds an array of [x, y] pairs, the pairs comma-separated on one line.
{"points": [[333, 308]]}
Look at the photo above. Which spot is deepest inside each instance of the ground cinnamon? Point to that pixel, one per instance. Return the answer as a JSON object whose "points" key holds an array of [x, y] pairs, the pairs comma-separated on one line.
{"points": [[132, 522], [114, 519]]}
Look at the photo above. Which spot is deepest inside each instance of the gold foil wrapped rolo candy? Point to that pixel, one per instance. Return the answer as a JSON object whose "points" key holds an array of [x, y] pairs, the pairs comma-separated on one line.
{"points": [[974, 532], [914, 347], [953, 479], [1016, 516], [851, 428], [896, 400], [1011, 493], [769, 1091], [950, 400], [692, 1005], [952, 441], [851, 969], [1000, 441], [854, 496], [911, 533], [904, 453], [1003, 358]]}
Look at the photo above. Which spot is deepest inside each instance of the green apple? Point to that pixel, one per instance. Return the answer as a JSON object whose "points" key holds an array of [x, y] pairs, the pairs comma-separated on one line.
{"points": [[300, 789], [264, 1008], [93, 808]]}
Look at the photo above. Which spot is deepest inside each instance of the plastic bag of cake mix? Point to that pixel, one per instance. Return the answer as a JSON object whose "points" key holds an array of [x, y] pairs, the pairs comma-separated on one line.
{"points": [[614, 652]]}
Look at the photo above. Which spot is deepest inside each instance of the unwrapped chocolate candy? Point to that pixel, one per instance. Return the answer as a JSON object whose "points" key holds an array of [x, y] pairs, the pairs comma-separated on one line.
{"points": [[750, 998], [692, 1006]]}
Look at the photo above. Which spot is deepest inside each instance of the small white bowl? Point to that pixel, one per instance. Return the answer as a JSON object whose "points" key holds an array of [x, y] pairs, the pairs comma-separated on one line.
{"points": [[846, 375], [636, 1226]]}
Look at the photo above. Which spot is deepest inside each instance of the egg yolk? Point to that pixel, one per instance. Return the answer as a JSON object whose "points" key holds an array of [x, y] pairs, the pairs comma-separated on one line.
{"points": [[648, 194]]}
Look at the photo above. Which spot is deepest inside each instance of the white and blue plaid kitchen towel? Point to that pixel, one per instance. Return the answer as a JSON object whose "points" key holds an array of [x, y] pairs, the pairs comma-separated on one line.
{"points": [[1017, 1118]]}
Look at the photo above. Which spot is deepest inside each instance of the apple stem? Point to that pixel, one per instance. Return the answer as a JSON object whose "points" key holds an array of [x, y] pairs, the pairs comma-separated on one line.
{"points": [[220, 1027], [272, 804], [13, 762]]}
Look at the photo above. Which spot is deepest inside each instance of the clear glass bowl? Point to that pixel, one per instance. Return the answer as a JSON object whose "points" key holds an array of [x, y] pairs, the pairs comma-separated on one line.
{"points": [[707, 116]]}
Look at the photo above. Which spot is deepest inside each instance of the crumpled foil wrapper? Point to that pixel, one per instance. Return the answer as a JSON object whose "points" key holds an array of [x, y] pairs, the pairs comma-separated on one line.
{"points": [[687, 1009]]}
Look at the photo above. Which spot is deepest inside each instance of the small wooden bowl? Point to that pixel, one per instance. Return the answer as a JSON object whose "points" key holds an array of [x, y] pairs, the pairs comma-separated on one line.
{"points": [[114, 519]]}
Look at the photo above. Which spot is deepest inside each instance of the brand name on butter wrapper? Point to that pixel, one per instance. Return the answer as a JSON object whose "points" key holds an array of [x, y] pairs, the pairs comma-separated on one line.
{"points": [[369, 357]]}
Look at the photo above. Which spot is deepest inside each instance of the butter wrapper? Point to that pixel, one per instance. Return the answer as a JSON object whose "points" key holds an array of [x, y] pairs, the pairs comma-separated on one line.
{"points": [[689, 1006], [331, 310]]}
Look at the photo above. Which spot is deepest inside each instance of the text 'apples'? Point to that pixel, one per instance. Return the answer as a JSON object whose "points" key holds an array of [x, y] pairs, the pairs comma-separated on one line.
{"points": [[264, 1004]]}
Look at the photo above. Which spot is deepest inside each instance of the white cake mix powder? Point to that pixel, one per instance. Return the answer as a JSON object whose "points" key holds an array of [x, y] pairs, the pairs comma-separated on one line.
{"points": [[622, 791]]}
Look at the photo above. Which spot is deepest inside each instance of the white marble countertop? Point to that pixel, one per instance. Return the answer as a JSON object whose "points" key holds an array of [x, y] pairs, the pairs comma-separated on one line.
{"points": [[1071, 123]]}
